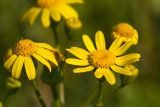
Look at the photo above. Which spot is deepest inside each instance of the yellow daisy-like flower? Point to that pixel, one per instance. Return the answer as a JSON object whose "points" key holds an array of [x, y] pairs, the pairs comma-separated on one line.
{"points": [[102, 60], [125, 31], [21, 54], [51, 8]]}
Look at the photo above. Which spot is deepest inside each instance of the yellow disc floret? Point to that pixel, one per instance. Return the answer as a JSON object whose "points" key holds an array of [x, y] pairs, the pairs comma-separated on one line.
{"points": [[24, 47], [102, 58], [126, 31]]}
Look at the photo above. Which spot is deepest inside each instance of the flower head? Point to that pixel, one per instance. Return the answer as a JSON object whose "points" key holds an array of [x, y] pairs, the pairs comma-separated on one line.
{"points": [[21, 54], [51, 8], [102, 60], [126, 31], [73, 23]]}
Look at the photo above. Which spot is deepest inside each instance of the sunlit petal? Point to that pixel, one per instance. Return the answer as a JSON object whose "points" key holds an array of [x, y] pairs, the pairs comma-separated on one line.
{"points": [[77, 62], [83, 69], [88, 43], [121, 70], [109, 76], [29, 67], [100, 41]]}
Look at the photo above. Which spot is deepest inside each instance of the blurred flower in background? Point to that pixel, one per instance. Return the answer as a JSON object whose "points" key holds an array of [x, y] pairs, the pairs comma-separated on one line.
{"points": [[125, 31], [73, 23], [51, 8], [22, 52]]}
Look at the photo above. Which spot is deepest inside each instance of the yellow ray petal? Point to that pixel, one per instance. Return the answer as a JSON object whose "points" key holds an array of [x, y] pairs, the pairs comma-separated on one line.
{"points": [[30, 69], [67, 11], [77, 62], [42, 60], [83, 69], [109, 76], [116, 44], [98, 73], [79, 52], [121, 70], [123, 48], [56, 16], [47, 55], [88, 43], [127, 59], [45, 45], [9, 62], [100, 41], [45, 18], [74, 1], [31, 14], [17, 67]]}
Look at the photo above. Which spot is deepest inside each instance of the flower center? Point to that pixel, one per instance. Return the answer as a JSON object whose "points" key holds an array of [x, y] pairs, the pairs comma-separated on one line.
{"points": [[46, 3], [102, 58], [24, 47], [124, 29]]}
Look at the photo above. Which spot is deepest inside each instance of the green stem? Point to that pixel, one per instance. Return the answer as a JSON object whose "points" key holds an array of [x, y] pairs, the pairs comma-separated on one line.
{"points": [[58, 95], [99, 102], [38, 94], [55, 33]]}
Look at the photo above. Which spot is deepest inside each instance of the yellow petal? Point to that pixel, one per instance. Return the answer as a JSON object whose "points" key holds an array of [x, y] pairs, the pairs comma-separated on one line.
{"points": [[47, 55], [109, 76], [42, 60], [100, 41], [121, 70], [17, 67], [30, 69], [74, 1], [83, 69], [31, 14], [56, 16], [123, 48], [45, 45], [88, 43], [78, 62], [98, 73], [9, 62], [67, 11], [45, 17], [79, 52], [127, 59], [116, 44]]}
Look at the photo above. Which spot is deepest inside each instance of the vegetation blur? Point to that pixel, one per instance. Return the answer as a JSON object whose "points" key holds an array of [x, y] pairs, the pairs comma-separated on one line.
{"points": [[144, 15]]}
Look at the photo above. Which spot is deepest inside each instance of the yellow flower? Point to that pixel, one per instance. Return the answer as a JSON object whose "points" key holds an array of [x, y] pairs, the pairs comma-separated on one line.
{"points": [[133, 69], [51, 8], [125, 31], [21, 54], [73, 23], [102, 60]]}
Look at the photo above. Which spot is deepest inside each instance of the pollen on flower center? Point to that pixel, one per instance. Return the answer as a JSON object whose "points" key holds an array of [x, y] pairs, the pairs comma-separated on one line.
{"points": [[46, 3], [102, 59], [24, 47], [124, 29]]}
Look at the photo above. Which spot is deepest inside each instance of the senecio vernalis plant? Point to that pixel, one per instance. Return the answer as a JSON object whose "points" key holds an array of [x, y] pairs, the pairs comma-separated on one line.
{"points": [[102, 60]]}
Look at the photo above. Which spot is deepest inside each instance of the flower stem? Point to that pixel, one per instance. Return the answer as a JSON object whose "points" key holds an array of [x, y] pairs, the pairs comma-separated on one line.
{"points": [[58, 94], [38, 94], [55, 33], [99, 102]]}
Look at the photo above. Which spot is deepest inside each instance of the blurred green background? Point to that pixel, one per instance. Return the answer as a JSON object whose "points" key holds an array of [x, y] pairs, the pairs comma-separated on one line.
{"points": [[95, 15]]}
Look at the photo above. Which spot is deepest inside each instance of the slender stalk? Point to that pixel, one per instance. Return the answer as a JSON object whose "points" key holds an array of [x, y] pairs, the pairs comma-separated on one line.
{"points": [[58, 94], [38, 94], [99, 102], [55, 33]]}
